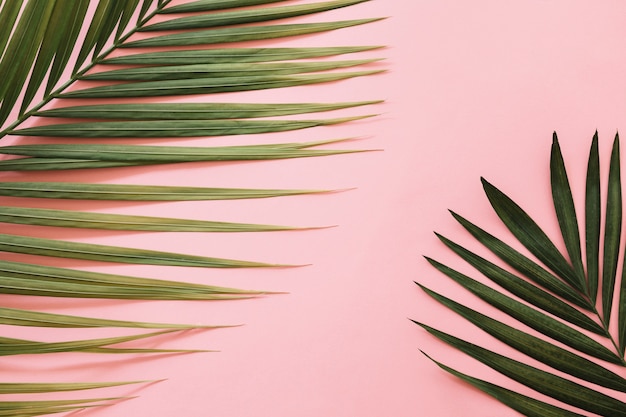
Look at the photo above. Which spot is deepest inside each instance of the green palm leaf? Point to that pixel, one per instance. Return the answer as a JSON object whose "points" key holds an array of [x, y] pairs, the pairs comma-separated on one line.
{"points": [[31, 387], [78, 219], [174, 128], [62, 46], [247, 16], [192, 111], [580, 357], [18, 317], [230, 55], [241, 34]]}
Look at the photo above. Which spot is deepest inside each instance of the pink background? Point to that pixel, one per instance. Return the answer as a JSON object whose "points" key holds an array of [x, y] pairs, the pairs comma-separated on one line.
{"points": [[472, 89]]}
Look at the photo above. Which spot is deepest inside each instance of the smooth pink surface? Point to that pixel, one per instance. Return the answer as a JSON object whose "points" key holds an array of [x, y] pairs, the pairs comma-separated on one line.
{"points": [[472, 89]]}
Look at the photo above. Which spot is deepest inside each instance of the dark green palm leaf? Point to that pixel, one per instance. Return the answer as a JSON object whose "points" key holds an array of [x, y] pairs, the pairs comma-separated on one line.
{"points": [[525, 290], [564, 208], [612, 232], [545, 382], [531, 317], [531, 236], [592, 219], [569, 305], [554, 356], [524, 264], [524, 404]]}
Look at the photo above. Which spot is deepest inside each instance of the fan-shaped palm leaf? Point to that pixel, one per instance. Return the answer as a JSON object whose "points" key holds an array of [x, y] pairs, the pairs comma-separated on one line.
{"points": [[40, 36], [569, 292]]}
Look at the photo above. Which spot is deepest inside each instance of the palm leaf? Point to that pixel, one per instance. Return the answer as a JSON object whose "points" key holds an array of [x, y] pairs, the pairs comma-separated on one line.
{"points": [[233, 56], [42, 36], [247, 16], [32, 387], [241, 34], [569, 354], [18, 317], [78, 219], [192, 111], [174, 128]]}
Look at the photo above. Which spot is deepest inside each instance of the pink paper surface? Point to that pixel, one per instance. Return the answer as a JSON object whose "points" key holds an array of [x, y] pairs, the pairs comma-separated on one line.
{"points": [[471, 89]]}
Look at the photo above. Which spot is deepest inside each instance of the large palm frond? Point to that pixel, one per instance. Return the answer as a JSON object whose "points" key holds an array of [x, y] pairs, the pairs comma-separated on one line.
{"points": [[77, 72], [572, 300]]}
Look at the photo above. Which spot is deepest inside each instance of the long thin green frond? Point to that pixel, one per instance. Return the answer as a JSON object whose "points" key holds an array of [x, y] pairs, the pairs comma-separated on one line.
{"points": [[117, 160], [565, 210], [22, 48], [103, 23], [612, 232], [208, 85], [208, 20], [40, 411], [66, 45], [64, 278], [50, 164], [61, 31], [621, 315], [524, 404], [193, 111], [8, 16], [231, 55], [127, 13], [145, 7], [44, 287], [241, 34], [19, 317], [39, 387], [85, 220], [531, 317], [25, 406], [544, 382], [87, 191], [208, 5], [105, 253], [545, 352], [179, 72], [175, 128], [10, 346], [530, 235], [593, 219]]}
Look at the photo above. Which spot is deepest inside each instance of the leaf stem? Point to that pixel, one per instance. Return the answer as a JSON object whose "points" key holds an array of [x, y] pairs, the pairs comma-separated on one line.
{"points": [[76, 76], [609, 336]]}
